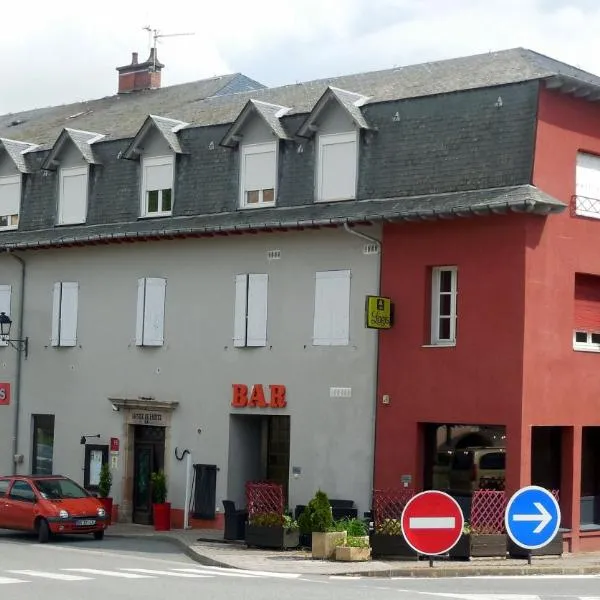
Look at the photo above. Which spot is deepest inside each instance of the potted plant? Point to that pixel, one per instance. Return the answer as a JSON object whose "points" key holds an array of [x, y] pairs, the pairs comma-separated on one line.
{"points": [[388, 540], [104, 486], [479, 544], [353, 549], [272, 530], [161, 509], [319, 520]]}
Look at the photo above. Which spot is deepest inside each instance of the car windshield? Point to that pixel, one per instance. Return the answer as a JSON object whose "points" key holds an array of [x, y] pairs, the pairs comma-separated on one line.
{"points": [[58, 489]]}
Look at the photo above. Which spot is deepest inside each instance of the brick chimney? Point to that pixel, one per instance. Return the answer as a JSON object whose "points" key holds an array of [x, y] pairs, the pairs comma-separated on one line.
{"points": [[140, 76]]}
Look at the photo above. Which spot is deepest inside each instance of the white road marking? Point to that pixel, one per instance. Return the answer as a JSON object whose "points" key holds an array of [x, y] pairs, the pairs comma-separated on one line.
{"points": [[110, 573], [230, 573], [168, 573], [48, 575], [432, 523], [481, 596], [4, 580]]}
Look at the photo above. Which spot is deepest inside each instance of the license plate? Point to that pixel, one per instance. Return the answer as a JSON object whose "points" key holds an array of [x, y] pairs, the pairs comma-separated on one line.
{"points": [[85, 522]]}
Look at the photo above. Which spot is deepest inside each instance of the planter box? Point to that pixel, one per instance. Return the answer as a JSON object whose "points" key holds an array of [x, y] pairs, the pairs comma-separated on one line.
{"points": [[350, 554], [554, 548], [324, 544], [390, 545], [472, 545], [161, 516], [271, 537]]}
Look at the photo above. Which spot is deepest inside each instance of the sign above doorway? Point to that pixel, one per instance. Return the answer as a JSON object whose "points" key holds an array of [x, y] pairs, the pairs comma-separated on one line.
{"points": [[254, 397]]}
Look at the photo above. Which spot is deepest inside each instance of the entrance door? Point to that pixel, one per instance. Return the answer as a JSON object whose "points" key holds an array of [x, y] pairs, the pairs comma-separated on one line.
{"points": [[278, 452], [148, 457]]}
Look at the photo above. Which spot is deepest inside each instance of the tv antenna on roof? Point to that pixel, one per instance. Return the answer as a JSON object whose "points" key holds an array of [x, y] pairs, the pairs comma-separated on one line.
{"points": [[153, 37]]}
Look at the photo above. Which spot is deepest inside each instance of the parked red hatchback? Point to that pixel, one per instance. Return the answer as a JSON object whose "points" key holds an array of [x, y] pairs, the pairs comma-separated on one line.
{"points": [[49, 504]]}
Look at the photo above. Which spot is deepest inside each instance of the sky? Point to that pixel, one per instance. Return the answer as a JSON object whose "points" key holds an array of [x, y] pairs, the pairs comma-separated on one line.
{"points": [[64, 51]]}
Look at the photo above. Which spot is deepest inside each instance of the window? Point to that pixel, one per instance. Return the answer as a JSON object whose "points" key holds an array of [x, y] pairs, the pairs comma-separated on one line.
{"points": [[43, 444], [586, 334], [64, 313], [157, 186], [337, 166], [22, 491], [73, 195], [587, 185], [258, 174], [5, 294], [332, 309], [443, 305], [250, 322], [10, 201], [4, 487], [150, 311], [96, 455]]}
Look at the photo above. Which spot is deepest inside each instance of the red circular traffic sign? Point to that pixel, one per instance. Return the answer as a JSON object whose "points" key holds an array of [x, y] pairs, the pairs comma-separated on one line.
{"points": [[432, 523]]}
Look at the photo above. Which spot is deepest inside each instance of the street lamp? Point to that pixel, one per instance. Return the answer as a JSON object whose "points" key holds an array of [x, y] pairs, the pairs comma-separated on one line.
{"points": [[5, 325]]}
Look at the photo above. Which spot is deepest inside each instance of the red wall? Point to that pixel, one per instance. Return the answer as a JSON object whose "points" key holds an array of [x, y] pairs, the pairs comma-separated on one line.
{"points": [[479, 380]]}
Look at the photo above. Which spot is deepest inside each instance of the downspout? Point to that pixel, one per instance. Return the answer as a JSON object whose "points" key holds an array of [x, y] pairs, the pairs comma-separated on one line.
{"points": [[373, 240], [17, 397]]}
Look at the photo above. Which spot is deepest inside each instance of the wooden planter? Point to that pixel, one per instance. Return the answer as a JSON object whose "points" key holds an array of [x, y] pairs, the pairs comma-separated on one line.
{"points": [[390, 545], [473, 545], [554, 548], [324, 544], [351, 554], [271, 537]]}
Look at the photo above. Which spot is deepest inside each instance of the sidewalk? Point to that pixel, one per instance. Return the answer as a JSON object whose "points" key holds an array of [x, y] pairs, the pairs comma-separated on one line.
{"points": [[206, 546]]}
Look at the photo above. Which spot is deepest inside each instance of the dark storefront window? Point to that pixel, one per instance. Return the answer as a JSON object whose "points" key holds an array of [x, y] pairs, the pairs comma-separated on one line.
{"points": [[43, 444]]}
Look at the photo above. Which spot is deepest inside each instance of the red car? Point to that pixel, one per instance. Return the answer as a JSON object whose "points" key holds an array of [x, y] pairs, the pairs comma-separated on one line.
{"points": [[49, 504]]}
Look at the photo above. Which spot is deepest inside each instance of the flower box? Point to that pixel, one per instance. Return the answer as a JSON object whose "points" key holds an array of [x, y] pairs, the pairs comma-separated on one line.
{"points": [[352, 554], [276, 536], [324, 544], [390, 545], [554, 548], [475, 545]]}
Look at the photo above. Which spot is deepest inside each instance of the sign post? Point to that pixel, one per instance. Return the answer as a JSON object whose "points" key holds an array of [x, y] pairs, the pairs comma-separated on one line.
{"points": [[432, 523], [532, 518]]}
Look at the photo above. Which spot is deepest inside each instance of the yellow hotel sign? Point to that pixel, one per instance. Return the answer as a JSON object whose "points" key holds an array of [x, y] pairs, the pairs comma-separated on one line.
{"points": [[378, 313]]}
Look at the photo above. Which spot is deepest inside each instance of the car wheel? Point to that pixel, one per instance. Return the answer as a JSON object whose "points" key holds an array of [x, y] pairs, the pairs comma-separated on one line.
{"points": [[99, 535], [43, 531]]}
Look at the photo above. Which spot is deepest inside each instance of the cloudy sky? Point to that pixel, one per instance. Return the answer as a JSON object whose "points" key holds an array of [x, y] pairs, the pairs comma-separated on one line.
{"points": [[63, 51]]}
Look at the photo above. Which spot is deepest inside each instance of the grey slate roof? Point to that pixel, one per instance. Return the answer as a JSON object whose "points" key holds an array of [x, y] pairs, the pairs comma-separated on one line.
{"points": [[18, 153], [166, 127], [525, 198]]}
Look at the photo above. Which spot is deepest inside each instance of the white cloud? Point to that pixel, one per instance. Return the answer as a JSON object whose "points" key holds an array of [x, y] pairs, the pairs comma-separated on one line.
{"points": [[59, 53]]}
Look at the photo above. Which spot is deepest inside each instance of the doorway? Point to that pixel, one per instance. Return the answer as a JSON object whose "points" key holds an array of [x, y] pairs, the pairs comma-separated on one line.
{"points": [[148, 457]]}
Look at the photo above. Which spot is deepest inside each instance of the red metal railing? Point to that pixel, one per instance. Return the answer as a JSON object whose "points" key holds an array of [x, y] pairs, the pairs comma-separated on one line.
{"points": [[264, 497]]}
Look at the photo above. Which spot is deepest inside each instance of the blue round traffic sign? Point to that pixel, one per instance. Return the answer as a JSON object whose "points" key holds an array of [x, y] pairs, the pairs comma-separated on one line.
{"points": [[532, 517]]}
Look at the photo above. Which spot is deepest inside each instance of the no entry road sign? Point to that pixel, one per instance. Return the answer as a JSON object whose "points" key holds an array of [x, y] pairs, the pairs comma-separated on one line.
{"points": [[532, 517], [432, 523]]}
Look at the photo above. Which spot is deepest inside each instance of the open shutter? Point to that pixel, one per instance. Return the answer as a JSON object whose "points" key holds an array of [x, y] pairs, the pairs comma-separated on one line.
{"points": [[68, 313], [240, 311], [257, 309], [141, 301], [587, 303], [332, 309], [154, 312], [5, 293], [56, 301]]}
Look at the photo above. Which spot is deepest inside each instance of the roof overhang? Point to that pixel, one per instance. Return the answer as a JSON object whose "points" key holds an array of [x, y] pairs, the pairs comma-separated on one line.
{"points": [[82, 140], [166, 127], [17, 151], [573, 87]]}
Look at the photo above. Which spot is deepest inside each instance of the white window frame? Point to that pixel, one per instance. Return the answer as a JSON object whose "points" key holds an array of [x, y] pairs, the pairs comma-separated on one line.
{"points": [[144, 329], [157, 161], [63, 173], [64, 314], [436, 277], [339, 312], [251, 309], [12, 180], [582, 196], [588, 345], [262, 148], [327, 139]]}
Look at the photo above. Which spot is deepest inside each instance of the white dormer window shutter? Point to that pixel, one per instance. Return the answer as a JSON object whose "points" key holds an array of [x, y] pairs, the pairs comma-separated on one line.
{"points": [[73, 195], [65, 302], [150, 320], [5, 295]]}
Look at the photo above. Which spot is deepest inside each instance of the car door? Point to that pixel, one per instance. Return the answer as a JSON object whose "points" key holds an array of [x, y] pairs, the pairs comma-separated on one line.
{"points": [[21, 500], [4, 485]]}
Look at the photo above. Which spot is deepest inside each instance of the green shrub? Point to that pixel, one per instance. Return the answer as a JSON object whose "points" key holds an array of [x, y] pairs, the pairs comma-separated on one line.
{"points": [[273, 519], [317, 516], [356, 528], [105, 482], [159, 487]]}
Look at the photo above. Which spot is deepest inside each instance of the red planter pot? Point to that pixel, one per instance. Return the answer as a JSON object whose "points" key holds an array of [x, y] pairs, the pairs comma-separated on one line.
{"points": [[107, 503], [162, 516]]}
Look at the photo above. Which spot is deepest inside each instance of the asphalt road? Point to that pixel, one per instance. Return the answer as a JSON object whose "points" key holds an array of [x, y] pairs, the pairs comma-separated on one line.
{"points": [[120, 568]]}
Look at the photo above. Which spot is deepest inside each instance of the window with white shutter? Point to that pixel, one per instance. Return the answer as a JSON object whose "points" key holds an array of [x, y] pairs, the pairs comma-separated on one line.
{"points": [[258, 174], [150, 311], [10, 201], [5, 294], [337, 164], [64, 313], [157, 186], [250, 320], [332, 308], [73, 195]]}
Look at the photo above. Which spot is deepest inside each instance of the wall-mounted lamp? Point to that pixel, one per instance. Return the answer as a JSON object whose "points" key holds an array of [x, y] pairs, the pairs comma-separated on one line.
{"points": [[5, 325], [84, 438]]}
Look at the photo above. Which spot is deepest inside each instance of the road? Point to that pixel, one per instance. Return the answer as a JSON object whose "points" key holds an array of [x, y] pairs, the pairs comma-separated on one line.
{"points": [[119, 568]]}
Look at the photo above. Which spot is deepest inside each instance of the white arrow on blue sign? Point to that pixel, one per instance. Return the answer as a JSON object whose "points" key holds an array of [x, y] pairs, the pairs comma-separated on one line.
{"points": [[532, 517]]}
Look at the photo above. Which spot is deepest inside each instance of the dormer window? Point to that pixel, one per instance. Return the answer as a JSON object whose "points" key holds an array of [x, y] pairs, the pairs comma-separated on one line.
{"points": [[10, 201], [73, 195], [337, 162], [258, 174], [157, 186]]}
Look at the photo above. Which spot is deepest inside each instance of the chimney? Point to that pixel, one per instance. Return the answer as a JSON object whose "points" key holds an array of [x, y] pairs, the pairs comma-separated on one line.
{"points": [[140, 76]]}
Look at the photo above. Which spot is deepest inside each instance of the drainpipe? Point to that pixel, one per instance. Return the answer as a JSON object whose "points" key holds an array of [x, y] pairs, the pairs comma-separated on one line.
{"points": [[373, 240], [17, 397]]}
